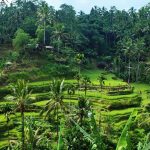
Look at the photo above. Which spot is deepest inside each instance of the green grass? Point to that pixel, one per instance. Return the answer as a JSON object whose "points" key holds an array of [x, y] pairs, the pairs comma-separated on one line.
{"points": [[2, 118], [3, 142], [43, 103], [133, 95], [120, 112], [99, 99], [6, 102], [93, 75], [141, 89]]}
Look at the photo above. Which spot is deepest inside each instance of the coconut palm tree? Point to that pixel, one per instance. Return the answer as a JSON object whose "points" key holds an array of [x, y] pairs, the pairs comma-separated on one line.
{"points": [[101, 79], [128, 53], [56, 101], [83, 109], [70, 91], [139, 46], [85, 82], [58, 35], [79, 59], [21, 95], [43, 12], [78, 77]]}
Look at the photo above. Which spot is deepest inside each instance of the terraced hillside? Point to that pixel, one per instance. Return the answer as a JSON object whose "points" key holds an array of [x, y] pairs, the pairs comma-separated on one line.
{"points": [[112, 104]]}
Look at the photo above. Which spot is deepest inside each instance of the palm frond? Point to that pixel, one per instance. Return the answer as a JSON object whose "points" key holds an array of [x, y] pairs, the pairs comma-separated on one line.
{"points": [[60, 145], [124, 138], [96, 133], [86, 135]]}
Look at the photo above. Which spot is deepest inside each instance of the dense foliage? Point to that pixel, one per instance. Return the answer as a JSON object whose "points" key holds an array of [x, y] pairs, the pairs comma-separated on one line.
{"points": [[79, 110], [117, 39]]}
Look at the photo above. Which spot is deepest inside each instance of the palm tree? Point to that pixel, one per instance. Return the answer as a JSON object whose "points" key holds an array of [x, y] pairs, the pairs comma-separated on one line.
{"points": [[83, 109], [21, 94], [139, 46], [101, 79], [58, 35], [56, 101], [85, 82], [74, 138], [128, 52], [43, 13], [70, 90], [79, 59], [78, 77]]}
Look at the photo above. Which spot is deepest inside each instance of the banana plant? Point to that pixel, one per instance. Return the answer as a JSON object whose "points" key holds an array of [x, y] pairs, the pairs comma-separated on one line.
{"points": [[95, 138], [60, 145], [124, 140]]}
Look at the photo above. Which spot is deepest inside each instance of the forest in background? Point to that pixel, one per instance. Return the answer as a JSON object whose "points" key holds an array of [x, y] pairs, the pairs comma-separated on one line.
{"points": [[70, 80], [117, 40]]}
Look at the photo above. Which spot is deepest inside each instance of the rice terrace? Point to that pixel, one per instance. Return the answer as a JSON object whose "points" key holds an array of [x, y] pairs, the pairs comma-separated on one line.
{"points": [[74, 75]]}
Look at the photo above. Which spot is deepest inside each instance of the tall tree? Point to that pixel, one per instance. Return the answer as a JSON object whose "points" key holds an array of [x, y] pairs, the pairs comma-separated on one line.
{"points": [[56, 102], [21, 95], [58, 35], [85, 82], [43, 14], [21, 40]]}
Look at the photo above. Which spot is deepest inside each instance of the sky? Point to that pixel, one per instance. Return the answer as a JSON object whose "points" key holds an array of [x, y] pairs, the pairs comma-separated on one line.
{"points": [[86, 5]]}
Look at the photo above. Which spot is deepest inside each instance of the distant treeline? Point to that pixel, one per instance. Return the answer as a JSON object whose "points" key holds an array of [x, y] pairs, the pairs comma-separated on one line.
{"points": [[117, 39]]}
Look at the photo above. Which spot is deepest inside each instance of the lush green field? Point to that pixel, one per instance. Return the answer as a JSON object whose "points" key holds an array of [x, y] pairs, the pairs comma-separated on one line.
{"points": [[115, 107]]}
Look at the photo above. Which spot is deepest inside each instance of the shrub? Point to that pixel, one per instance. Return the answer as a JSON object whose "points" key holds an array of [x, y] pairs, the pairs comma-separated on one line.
{"points": [[59, 70], [147, 107], [121, 104], [13, 56], [3, 79], [4, 91], [41, 97], [39, 89], [13, 77], [120, 92], [21, 39]]}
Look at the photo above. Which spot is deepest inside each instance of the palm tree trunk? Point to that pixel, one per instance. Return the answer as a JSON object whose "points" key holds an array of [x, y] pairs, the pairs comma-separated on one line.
{"points": [[101, 85], [8, 131], [129, 72], [138, 68], [22, 117], [57, 123], [119, 67], [44, 32], [79, 71], [58, 46], [70, 104], [85, 90]]}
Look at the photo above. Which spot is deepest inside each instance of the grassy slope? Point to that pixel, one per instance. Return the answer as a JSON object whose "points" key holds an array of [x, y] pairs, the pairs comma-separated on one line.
{"points": [[93, 95]]}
